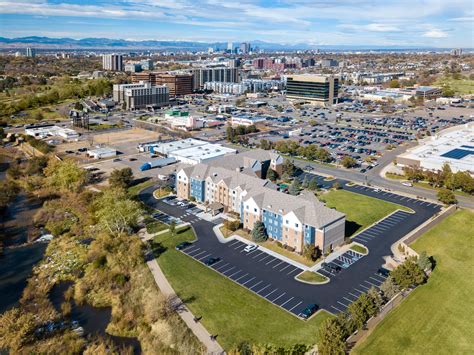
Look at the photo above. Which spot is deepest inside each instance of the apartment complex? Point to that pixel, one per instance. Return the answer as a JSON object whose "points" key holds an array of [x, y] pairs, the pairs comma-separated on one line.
{"points": [[112, 62], [143, 95], [239, 185], [316, 89], [221, 74]]}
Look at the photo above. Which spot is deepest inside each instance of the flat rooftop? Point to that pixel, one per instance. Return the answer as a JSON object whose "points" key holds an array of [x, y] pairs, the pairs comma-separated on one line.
{"points": [[454, 146]]}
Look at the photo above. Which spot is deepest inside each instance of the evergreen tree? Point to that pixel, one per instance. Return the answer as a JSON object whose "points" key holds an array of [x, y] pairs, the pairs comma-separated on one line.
{"points": [[313, 184], [295, 187], [259, 233]]}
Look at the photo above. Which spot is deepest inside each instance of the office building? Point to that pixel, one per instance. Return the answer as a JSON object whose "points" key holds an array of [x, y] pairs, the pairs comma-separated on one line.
{"points": [[328, 63], [143, 95], [30, 52], [223, 74], [178, 84], [113, 62], [316, 89], [133, 67], [238, 185], [147, 64], [244, 48]]}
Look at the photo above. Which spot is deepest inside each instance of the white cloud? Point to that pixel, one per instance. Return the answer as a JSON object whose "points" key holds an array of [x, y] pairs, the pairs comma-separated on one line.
{"points": [[434, 33]]}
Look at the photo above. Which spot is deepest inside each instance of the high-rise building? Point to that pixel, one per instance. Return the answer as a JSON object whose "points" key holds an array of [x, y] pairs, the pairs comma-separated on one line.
{"points": [[143, 95], [147, 64], [245, 48], [112, 62], [316, 89], [178, 84], [230, 46], [30, 52], [133, 67], [327, 63], [204, 75]]}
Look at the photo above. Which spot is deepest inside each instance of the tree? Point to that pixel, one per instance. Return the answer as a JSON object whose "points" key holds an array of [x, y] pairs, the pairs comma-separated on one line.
{"points": [[377, 300], [362, 309], [313, 184], [448, 91], [424, 262], [394, 84], [337, 185], [333, 338], [259, 233], [65, 175], [288, 168], [16, 329], [272, 175], [172, 227], [311, 252], [447, 197], [408, 274], [265, 144], [348, 162], [295, 187], [305, 182], [389, 288], [116, 212], [323, 155], [121, 178]]}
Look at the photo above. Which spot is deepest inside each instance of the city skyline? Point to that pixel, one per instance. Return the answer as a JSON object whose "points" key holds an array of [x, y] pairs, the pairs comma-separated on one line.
{"points": [[428, 23]]}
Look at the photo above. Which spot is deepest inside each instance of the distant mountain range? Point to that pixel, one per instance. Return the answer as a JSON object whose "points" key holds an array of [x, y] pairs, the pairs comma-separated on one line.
{"points": [[122, 44]]}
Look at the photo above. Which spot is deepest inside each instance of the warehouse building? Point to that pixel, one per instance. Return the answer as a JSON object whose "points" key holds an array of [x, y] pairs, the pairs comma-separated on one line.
{"points": [[454, 146], [43, 131]]}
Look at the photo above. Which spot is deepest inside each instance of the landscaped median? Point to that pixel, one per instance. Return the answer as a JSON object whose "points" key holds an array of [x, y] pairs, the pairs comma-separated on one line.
{"points": [[312, 277], [359, 248], [227, 309]]}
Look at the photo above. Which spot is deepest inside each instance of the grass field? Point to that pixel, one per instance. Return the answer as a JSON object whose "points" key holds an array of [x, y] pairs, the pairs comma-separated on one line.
{"points": [[361, 211], [437, 318], [227, 309], [359, 249], [461, 86]]}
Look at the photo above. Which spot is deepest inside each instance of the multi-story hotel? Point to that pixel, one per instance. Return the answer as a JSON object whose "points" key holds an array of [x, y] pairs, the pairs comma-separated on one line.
{"points": [[239, 185], [316, 89]]}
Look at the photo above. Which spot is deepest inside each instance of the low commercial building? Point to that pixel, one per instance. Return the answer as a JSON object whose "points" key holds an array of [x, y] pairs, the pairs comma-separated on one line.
{"points": [[246, 120], [183, 120], [322, 90], [454, 146], [43, 131], [192, 151], [101, 153], [239, 185]]}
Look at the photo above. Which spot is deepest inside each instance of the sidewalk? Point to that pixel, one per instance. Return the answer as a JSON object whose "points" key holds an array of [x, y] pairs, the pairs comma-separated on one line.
{"points": [[197, 328]]}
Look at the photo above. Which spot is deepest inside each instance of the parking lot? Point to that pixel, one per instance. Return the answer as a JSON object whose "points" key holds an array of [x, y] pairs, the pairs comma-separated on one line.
{"points": [[274, 279], [340, 263], [245, 276]]}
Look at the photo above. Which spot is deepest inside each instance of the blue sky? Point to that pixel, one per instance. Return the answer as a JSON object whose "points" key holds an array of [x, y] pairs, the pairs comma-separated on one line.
{"points": [[439, 23]]}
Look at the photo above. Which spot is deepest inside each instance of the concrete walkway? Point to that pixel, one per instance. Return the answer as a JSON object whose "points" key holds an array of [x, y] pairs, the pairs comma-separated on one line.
{"points": [[212, 346]]}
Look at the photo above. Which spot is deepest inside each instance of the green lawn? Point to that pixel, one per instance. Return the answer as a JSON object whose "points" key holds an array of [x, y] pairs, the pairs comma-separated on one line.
{"points": [[135, 189], [312, 277], [461, 86], [359, 248], [361, 211], [229, 310], [438, 317], [155, 227]]}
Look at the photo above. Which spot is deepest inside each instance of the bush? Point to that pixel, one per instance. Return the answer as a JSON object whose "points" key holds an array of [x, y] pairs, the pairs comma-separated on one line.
{"points": [[408, 274], [232, 225], [100, 262], [447, 197]]}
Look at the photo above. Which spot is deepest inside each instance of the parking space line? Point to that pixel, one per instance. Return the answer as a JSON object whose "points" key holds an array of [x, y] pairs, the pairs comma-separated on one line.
{"points": [[293, 270], [353, 295], [268, 255], [268, 294], [284, 268], [204, 257], [196, 255], [253, 251], [345, 305], [222, 266], [373, 278], [263, 289], [371, 283], [336, 309], [223, 272], [286, 302], [292, 308], [256, 255], [272, 261], [240, 246], [246, 282], [234, 242], [284, 293], [278, 264], [382, 277], [194, 249], [367, 288], [347, 299], [217, 262], [258, 283], [235, 273], [241, 277]]}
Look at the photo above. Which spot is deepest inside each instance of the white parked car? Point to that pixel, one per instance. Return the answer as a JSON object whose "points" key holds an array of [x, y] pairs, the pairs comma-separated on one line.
{"points": [[250, 247], [407, 183]]}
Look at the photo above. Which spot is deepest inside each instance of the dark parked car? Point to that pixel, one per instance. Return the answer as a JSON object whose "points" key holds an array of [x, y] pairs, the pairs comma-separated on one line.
{"points": [[308, 311], [183, 245], [211, 261], [383, 272]]}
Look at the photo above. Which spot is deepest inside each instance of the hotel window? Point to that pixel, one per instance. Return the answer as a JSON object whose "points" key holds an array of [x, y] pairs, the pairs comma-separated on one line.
{"points": [[287, 222], [296, 225], [255, 210]]}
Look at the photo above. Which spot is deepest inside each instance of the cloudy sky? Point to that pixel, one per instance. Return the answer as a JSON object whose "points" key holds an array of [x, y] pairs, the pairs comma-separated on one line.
{"points": [[439, 23]]}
